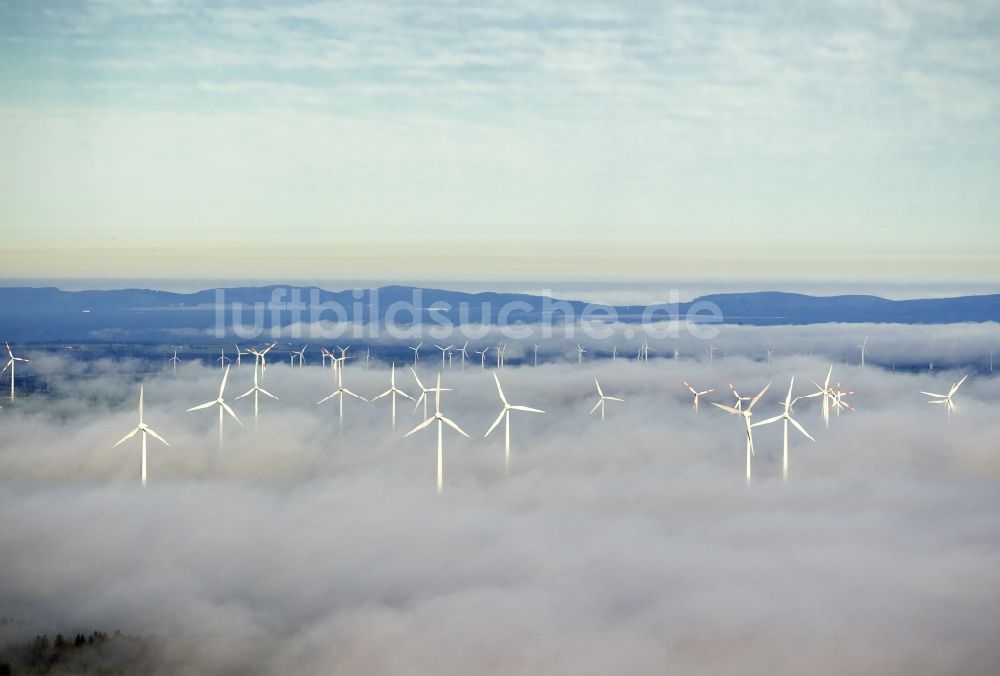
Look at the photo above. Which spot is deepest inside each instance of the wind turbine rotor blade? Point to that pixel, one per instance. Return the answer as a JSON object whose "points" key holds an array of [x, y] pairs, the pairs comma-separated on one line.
{"points": [[384, 394], [419, 427], [728, 409], [225, 377], [157, 437], [599, 392], [356, 396], [495, 422], [933, 394], [450, 423], [126, 437], [265, 392], [404, 395], [247, 393], [954, 388], [526, 409], [613, 399], [597, 405], [499, 389], [759, 395], [201, 406], [331, 396], [230, 412], [768, 421], [800, 428]]}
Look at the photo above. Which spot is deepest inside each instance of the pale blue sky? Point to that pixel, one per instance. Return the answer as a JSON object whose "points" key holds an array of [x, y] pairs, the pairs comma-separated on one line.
{"points": [[501, 139]]}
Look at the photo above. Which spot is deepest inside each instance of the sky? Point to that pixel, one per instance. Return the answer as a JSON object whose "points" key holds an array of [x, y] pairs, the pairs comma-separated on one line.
{"points": [[849, 140], [629, 546]]}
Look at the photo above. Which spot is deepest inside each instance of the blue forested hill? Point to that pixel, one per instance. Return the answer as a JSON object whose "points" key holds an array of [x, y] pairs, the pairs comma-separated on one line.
{"points": [[49, 314]]}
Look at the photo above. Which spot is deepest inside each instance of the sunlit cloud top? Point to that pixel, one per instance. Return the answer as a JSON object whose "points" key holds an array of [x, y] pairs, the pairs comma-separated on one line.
{"points": [[585, 139]]}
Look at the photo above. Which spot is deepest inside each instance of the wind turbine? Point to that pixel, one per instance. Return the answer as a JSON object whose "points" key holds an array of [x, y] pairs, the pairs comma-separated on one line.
{"points": [[602, 398], [441, 421], [837, 399], [739, 399], [393, 390], [341, 391], [696, 394], [368, 358], [221, 403], [747, 413], [464, 352], [864, 348], [946, 399], [614, 352], [505, 416], [579, 357], [535, 346], [786, 416], [302, 355], [444, 352], [827, 395], [423, 392], [326, 354], [482, 354], [175, 359], [256, 390], [769, 353], [239, 354], [10, 365], [503, 354], [145, 429], [222, 358], [416, 352], [711, 354], [260, 357]]}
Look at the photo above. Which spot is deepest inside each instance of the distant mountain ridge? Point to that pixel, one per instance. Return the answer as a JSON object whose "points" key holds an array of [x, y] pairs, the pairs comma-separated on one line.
{"points": [[48, 313]]}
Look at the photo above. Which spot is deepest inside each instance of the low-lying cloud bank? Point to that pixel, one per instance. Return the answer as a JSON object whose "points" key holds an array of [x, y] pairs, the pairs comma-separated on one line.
{"points": [[629, 546]]}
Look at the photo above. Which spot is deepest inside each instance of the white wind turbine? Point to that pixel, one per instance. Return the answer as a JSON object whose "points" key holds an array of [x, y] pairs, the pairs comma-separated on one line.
{"points": [[769, 353], [260, 357], [301, 355], [341, 391], [144, 429], [441, 421], [747, 413], [368, 358], [416, 352], [393, 390], [326, 354], [786, 416], [864, 348], [579, 357], [696, 393], [602, 399], [255, 391], [482, 354], [946, 399], [505, 416], [739, 399], [535, 346], [239, 355], [222, 358], [423, 392], [503, 355], [464, 352], [614, 353], [827, 395], [221, 403], [444, 352], [10, 365], [175, 360]]}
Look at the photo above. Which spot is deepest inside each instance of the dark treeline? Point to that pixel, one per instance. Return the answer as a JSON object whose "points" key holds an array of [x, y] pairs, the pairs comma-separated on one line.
{"points": [[94, 653]]}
